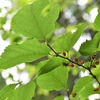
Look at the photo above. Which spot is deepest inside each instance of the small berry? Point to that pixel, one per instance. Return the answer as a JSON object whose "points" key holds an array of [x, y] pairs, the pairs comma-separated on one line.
{"points": [[81, 62], [96, 62], [65, 64], [71, 64], [64, 53], [76, 59], [96, 89], [74, 94], [94, 66]]}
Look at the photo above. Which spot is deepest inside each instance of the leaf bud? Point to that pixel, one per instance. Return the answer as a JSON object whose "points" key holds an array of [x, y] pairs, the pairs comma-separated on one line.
{"points": [[74, 94], [96, 89], [96, 62], [64, 53], [65, 64], [94, 55], [71, 64], [75, 59], [94, 66], [81, 62]]}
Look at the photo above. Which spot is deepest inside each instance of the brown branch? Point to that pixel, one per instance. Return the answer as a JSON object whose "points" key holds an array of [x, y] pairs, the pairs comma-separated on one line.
{"points": [[89, 69], [65, 57]]}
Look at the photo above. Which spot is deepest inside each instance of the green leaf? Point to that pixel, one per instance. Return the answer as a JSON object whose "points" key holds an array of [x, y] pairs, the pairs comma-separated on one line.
{"points": [[96, 21], [51, 64], [90, 46], [6, 91], [62, 43], [59, 98], [54, 80], [96, 71], [67, 41], [26, 52], [25, 92], [82, 85], [30, 22], [86, 92]]}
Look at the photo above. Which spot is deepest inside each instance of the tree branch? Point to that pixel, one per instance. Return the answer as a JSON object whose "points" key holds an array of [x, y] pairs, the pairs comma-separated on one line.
{"points": [[89, 69]]}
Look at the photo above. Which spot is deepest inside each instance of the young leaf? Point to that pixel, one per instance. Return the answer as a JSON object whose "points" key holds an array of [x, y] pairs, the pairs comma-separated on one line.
{"points": [[25, 92], [26, 52], [89, 47], [6, 91], [54, 80], [67, 41], [30, 22], [59, 98], [96, 22], [50, 65]]}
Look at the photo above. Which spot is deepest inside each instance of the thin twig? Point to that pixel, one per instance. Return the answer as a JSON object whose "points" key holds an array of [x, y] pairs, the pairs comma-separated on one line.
{"points": [[94, 76], [75, 63], [52, 49], [65, 57]]}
